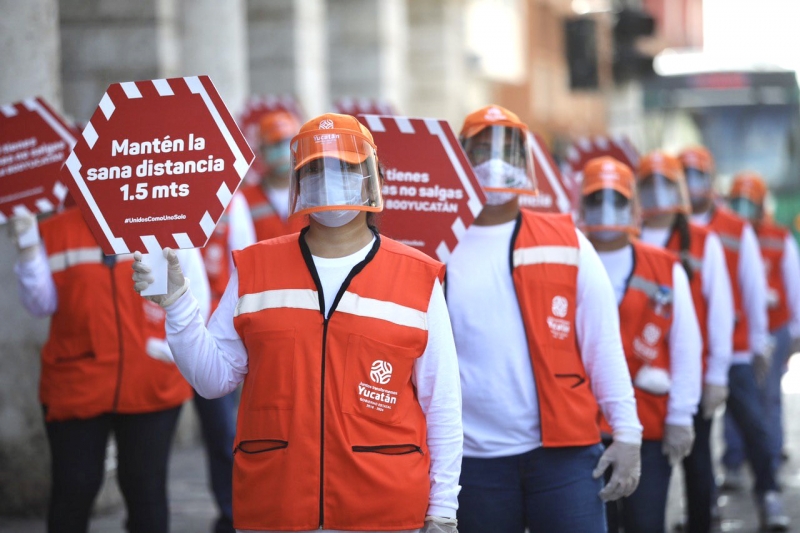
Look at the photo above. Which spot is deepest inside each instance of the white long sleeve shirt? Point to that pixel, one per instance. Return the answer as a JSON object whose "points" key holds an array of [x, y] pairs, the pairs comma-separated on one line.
{"points": [[685, 341], [753, 286], [500, 403], [241, 232], [214, 360], [790, 269], [717, 292]]}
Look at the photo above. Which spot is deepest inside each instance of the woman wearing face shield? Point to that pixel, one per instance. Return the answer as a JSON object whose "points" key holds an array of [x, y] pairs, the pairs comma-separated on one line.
{"points": [[665, 210], [350, 416], [659, 332], [539, 352]]}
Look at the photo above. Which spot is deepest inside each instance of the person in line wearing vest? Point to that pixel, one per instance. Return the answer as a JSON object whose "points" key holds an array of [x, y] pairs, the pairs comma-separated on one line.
{"points": [[218, 415], [752, 345], [665, 206], [350, 418], [537, 336], [106, 369], [269, 200], [780, 256], [660, 336]]}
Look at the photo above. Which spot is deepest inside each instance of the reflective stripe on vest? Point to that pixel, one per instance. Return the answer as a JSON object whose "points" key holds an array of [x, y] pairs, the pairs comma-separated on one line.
{"points": [[771, 243], [729, 242], [659, 293], [350, 303], [537, 255], [695, 263], [261, 211], [76, 256]]}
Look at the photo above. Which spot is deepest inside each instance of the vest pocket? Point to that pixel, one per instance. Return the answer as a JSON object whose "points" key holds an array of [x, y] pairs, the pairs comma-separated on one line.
{"points": [[270, 380], [260, 446], [389, 449], [377, 380]]}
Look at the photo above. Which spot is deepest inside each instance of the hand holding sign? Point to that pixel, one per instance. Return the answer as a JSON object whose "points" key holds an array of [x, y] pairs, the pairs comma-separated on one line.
{"points": [[156, 167]]}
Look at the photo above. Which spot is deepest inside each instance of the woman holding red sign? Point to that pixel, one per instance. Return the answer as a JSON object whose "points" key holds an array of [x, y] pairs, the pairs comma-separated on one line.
{"points": [[350, 418]]}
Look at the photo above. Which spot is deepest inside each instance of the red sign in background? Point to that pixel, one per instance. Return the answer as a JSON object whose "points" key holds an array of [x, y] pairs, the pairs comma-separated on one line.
{"points": [[34, 142], [250, 123], [554, 193], [157, 165], [363, 106], [585, 149], [431, 195]]}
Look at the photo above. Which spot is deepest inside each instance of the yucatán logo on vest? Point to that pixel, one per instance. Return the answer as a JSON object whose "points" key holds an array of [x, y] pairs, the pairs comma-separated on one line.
{"points": [[374, 397], [559, 328], [644, 346]]}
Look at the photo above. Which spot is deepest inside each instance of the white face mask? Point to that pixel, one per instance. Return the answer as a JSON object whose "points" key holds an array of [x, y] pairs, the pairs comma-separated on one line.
{"points": [[335, 219], [496, 173]]}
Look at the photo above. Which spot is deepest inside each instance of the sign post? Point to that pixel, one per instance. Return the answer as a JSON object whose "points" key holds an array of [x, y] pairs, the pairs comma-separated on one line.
{"points": [[34, 143], [156, 167], [431, 195]]}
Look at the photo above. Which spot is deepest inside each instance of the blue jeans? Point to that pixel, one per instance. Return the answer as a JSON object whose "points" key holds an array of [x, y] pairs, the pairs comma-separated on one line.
{"points": [[545, 490], [218, 424], [747, 411], [644, 511], [770, 396], [699, 477]]}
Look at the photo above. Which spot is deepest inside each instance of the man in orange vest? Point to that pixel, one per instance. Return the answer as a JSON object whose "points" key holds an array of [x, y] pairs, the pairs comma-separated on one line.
{"points": [[660, 334], [780, 255], [752, 345], [269, 200], [539, 351], [106, 368]]}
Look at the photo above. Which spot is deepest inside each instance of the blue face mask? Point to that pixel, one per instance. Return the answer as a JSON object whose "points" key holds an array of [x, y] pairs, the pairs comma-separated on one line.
{"points": [[606, 235]]}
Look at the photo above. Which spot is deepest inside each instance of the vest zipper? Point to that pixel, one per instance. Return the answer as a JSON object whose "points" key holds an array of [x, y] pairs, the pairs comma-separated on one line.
{"points": [[119, 336], [322, 426]]}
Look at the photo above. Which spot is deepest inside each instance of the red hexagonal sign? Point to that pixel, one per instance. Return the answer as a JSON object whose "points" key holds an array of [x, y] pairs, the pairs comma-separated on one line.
{"points": [[157, 165], [553, 192], [34, 142]]}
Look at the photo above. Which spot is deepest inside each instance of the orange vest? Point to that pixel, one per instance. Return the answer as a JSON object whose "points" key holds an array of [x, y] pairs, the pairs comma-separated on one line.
{"points": [[267, 222], [772, 239], [697, 248], [544, 265], [645, 318], [216, 257], [330, 433], [95, 359], [729, 227]]}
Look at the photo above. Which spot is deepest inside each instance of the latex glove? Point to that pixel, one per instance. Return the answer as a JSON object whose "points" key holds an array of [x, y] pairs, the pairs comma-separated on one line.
{"points": [[625, 461], [761, 364], [713, 397], [437, 524], [677, 442], [23, 229], [177, 283]]}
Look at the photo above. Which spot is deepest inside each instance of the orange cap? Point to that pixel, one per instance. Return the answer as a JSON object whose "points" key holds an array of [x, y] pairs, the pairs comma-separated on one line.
{"points": [[697, 157], [607, 173], [492, 115], [750, 185], [278, 126], [659, 162], [332, 135]]}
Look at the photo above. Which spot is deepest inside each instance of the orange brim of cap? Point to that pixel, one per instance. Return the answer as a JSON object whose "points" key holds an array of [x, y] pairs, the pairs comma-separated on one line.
{"points": [[354, 158], [600, 185], [477, 128], [346, 146]]}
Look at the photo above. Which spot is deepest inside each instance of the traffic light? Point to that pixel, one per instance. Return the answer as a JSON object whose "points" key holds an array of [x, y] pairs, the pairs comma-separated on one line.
{"points": [[581, 37], [629, 62]]}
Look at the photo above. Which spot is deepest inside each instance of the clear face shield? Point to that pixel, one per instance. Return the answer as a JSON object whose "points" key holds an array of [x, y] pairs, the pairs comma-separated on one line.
{"points": [[277, 156], [746, 208], [502, 161], [699, 185], [659, 195], [607, 212], [333, 172]]}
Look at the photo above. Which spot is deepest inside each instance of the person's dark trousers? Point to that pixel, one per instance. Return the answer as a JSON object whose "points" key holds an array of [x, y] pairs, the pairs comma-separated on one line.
{"points": [[699, 477], [644, 511], [771, 401], [545, 490], [747, 411], [218, 424], [78, 450]]}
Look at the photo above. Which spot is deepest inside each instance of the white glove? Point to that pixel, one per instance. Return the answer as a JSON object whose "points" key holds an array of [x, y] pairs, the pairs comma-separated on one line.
{"points": [[177, 283], [713, 397], [23, 229], [437, 524], [761, 364], [625, 461], [677, 442]]}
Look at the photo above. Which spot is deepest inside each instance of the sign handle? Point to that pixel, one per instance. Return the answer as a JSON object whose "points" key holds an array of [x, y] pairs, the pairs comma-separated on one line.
{"points": [[154, 258]]}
